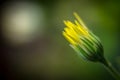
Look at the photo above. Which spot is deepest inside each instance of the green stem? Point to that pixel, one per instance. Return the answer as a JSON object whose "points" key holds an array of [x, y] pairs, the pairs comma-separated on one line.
{"points": [[111, 69]]}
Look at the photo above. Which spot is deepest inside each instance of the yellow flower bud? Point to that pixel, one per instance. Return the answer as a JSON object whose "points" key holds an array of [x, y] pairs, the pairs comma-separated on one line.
{"points": [[82, 40]]}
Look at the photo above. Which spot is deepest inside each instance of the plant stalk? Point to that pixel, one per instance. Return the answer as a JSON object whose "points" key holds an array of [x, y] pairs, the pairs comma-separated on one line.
{"points": [[111, 69]]}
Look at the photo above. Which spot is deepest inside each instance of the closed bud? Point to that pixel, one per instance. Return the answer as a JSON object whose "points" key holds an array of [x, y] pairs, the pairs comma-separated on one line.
{"points": [[83, 41]]}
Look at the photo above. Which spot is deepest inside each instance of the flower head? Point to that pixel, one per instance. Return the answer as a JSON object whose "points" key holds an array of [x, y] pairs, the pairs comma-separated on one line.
{"points": [[82, 40]]}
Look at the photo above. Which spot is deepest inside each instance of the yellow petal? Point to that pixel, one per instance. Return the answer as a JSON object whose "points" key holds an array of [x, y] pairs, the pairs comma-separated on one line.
{"points": [[69, 24], [79, 19], [81, 29], [72, 34], [69, 39]]}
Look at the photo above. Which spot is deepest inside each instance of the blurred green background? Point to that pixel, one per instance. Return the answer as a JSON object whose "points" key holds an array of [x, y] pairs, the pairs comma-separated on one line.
{"points": [[50, 57]]}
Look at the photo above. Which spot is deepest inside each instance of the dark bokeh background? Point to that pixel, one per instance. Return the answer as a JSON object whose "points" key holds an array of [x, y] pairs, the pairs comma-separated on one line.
{"points": [[42, 53]]}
